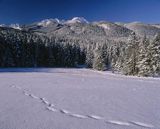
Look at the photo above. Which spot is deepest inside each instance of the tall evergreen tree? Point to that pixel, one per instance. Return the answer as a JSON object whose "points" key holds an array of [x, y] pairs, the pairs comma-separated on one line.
{"points": [[89, 56], [144, 58], [99, 59], [131, 57], [154, 49]]}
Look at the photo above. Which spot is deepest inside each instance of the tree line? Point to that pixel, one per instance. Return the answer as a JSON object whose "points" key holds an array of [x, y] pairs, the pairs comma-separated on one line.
{"points": [[21, 49], [136, 56]]}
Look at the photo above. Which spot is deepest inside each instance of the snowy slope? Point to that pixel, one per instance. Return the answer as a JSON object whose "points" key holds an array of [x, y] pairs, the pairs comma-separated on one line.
{"points": [[77, 99], [47, 22], [15, 26], [77, 20]]}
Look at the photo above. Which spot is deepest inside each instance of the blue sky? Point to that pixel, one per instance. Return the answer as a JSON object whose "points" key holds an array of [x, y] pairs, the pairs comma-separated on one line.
{"points": [[28, 11]]}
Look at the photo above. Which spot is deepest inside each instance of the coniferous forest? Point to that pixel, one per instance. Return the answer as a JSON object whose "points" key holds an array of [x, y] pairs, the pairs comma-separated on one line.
{"points": [[138, 56]]}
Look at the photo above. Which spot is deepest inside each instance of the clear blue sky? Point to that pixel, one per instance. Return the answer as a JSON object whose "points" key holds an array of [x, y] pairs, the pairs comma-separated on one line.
{"points": [[27, 11]]}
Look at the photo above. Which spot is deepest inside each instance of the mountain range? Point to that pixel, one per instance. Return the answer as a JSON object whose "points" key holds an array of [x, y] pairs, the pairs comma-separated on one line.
{"points": [[79, 27]]}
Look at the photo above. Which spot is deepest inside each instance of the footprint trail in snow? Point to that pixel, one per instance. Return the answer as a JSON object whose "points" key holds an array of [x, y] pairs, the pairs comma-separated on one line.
{"points": [[52, 108]]}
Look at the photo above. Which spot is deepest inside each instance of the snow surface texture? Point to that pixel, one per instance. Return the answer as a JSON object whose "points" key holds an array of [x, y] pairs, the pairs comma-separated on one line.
{"points": [[77, 99]]}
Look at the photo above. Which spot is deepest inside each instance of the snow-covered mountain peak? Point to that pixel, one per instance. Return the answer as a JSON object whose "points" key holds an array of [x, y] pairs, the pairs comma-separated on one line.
{"points": [[2, 25], [77, 20], [48, 22], [15, 26]]}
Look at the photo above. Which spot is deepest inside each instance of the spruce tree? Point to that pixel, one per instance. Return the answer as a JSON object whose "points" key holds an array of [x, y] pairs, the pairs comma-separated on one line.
{"points": [[89, 56], [144, 58], [131, 57], [99, 59], [154, 49]]}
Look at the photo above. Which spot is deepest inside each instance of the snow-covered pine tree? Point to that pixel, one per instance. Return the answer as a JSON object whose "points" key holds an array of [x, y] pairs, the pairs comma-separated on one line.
{"points": [[120, 56], [105, 55], [131, 57], [89, 56], [116, 61], [99, 59], [144, 58], [154, 49]]}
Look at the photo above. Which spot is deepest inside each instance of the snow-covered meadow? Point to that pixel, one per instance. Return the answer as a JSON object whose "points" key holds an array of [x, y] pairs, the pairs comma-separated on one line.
{"points": [[77, 99]]}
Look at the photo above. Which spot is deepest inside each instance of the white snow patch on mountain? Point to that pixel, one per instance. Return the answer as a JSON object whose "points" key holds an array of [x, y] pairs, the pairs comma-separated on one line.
{"points": [[77, 20], [105, 26], [47, 22], [2, 25], [15, 26]]}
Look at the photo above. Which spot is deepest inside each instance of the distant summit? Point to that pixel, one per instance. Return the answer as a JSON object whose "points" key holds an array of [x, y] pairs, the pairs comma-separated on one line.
{"points": [[79, 26], [77, 20], [48, 22], [16, 26]]}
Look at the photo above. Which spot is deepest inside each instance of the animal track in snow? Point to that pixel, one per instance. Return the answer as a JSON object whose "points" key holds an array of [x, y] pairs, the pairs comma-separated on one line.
{"points": [[96, 117], [26, 94], [64, 111], [118, 122], [44, 101], [78, 116], [52, 107], [33, 96], [142, 124]]}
